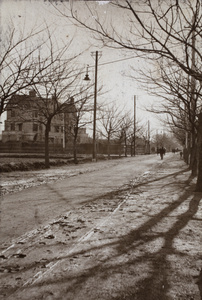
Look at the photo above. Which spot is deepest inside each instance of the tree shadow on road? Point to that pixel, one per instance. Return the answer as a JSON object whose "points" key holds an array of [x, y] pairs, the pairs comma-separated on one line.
{"points": [[130, 255], [156, 285]]}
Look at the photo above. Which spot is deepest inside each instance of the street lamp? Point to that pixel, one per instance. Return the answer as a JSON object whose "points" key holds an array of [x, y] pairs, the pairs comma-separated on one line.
{"points": [[86, 78], [95, 101]]}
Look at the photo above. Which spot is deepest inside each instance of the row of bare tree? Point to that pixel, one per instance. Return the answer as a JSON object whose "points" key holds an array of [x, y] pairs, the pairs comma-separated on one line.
{"points": [[167, 35], [31, 62], [44, 67]]}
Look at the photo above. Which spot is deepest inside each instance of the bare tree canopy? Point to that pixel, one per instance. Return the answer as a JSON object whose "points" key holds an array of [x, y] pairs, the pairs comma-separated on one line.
{"points": [[26, 58], [151, 27], [17, 62], [168, 32]]}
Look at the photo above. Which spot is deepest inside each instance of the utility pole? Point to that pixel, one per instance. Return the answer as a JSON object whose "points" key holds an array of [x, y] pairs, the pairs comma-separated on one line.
{"points": [[134, 141], [64, 130], [95, 104], [148, 137]]}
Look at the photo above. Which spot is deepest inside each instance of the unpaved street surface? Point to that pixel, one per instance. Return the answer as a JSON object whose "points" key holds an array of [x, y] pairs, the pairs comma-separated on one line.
{"points": [[46, 194], [140, 239]]}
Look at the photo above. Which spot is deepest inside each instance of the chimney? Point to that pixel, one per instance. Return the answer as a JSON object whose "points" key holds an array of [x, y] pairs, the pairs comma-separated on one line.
{"points": [[32, 93]]}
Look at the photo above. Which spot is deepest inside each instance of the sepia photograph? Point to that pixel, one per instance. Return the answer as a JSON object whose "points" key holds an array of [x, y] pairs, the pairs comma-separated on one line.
{"points": [[100, 150]]}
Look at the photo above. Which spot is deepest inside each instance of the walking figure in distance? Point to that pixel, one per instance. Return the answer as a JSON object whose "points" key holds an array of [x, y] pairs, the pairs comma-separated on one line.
{"points": [[162, 152]]}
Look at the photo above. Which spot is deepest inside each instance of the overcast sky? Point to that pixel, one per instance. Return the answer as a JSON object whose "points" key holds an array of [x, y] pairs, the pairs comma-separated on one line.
{"points": [[113, 64]]}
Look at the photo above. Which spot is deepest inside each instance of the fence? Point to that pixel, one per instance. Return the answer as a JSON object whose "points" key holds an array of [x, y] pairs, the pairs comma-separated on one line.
{"points": [[87, 148]]}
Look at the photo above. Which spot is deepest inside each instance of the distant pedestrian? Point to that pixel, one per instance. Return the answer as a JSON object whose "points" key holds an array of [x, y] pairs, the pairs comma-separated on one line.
{"points": [[162, 151], [181, 154]]}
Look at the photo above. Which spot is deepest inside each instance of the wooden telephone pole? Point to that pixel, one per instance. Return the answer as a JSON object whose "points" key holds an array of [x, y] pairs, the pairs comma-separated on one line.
{"points": [[96, 54], [134, 141]]}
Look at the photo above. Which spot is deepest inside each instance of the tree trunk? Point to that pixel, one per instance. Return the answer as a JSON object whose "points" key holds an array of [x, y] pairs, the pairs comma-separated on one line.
{"points": [[126, 150], [108, 147], [120, 147], [193, 157], [193, 160], [186, 155], [47, 130], [199, 176], [75, 151]]}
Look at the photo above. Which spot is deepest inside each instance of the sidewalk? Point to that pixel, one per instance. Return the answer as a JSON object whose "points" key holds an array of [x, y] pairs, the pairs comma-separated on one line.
{"points": [[143, 243]]}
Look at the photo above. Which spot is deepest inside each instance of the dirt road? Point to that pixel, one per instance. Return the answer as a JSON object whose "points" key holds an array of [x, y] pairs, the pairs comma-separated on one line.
{"points": [[139, 241], [61, 190]]}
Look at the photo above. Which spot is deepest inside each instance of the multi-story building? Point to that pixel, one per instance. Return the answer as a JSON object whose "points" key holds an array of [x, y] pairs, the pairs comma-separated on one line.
{"points": [[83, 137], [26, 115]]}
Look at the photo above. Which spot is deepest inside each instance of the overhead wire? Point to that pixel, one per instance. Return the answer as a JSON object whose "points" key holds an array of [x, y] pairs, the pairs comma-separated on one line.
{"points": [[114, 61]]}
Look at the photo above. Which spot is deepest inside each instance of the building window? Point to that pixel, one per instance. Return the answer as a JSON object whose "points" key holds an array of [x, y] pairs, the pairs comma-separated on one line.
{"points": [[20, 127], [57, 129], [12, 126], [7, 127], [35, 114], [8, 114], [35, 127], [12, 113]]}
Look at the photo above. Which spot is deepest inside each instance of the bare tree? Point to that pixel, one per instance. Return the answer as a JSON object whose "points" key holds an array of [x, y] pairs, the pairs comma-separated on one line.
{"points": [[82, 115], [55, 84], [127, 131], [199, 178], [155, 29], [110, 120], [59, 83], [18, 68], [181, 100], [168, 30]]}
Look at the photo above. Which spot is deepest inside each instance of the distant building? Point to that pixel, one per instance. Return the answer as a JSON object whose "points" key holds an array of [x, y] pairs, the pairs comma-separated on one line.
{"points": [[83, 137], [25, 120]]}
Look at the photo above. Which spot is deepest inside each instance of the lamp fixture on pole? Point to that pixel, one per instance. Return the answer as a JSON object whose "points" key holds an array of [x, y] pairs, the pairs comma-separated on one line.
{"points": [[86, 78]]}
